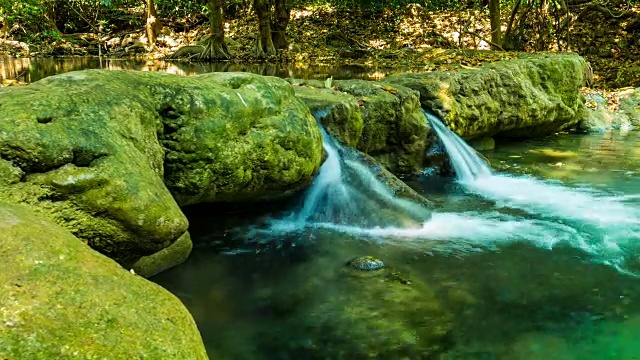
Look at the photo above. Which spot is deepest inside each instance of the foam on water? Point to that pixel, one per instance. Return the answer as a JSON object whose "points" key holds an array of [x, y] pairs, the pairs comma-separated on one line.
{"points": [[480, 229], [606, 225], [538, 197]]}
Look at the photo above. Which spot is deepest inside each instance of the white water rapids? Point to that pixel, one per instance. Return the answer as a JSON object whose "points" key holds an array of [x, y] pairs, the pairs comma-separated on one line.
{"points": [[604, 225]]}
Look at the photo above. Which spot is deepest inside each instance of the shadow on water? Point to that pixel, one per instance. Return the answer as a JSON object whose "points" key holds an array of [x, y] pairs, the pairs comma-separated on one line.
{"points": [[30, 70]]}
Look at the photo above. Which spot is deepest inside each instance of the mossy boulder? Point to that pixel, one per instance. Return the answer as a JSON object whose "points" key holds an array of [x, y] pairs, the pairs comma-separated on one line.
{"points": [[527, 97], [236, 137], [93, 150], [625, 116], [338, 112], [61, 299], [381, 119]]}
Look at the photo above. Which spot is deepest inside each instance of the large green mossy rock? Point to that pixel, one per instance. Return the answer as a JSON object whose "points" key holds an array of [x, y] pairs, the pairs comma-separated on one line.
{"points": [[380, 119], [93, 150], [236, 137], [60, 299], [515, 98]]}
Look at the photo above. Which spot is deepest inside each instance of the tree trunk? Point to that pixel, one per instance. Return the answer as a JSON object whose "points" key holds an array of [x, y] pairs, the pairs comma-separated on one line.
{"points": [[280, 23], [494, 15], [264, 47], [216, 48], [153, 24]]}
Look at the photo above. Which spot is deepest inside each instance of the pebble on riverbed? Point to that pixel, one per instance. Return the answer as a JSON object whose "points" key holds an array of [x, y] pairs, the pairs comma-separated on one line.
{"points": [[365, 263]]}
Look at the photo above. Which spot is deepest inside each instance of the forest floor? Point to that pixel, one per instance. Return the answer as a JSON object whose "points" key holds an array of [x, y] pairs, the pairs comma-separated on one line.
{"points": [[409, 38]]}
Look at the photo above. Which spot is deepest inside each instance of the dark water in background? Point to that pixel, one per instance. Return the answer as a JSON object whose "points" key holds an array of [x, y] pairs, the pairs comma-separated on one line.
{"points": [[30, 70], [292, 297], [278, 300]]}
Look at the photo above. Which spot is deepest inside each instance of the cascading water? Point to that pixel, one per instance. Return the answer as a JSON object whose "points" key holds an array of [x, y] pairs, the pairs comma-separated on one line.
{"points": [[346, 191], [347, 197], [611, 226], [467, 165]]}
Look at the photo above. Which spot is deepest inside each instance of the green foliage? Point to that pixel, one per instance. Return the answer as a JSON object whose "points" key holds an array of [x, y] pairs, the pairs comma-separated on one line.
{"points": [[31, 14], [49, 18], [180, 8]]}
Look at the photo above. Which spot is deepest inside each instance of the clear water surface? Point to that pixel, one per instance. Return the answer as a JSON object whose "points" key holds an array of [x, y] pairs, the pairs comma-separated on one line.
{"points": [[505, 292]]}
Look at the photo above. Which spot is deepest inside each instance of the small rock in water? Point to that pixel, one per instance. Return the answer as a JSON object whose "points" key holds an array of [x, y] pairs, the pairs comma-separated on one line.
{"points": [[396, 276], [365, 263]]}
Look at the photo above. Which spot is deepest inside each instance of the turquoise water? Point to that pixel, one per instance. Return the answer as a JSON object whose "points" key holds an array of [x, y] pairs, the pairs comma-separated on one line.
{"points": [[480, 287]]}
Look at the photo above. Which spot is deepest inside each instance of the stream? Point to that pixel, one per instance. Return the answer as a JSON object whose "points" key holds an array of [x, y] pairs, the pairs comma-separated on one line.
{"points": [[535, 258], [531, 255]]}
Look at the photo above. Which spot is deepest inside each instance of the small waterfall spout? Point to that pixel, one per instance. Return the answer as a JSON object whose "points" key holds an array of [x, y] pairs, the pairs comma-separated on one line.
{"points": [[614, 227], [346, 191], [466, 163]]}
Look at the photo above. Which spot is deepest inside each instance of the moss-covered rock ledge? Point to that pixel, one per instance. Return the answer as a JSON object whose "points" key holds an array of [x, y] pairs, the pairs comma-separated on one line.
{"points": [[92, 150], [380, 119], [532, 96], [527, 97], [59, 299]]}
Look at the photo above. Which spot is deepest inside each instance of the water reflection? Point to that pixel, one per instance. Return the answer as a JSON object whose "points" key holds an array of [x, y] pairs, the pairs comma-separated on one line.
{"points": [[606, 161], [30, 70]]}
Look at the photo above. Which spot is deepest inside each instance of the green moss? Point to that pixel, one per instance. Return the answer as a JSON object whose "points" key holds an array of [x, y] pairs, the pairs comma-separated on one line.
{"points": [[173, 255], [104, 153], [338, 112], [60, 299], [514, 98], [390, 125]]}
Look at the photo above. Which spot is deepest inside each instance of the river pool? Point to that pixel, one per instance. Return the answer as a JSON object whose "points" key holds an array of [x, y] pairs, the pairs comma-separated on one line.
{"points": [[502, 291]]}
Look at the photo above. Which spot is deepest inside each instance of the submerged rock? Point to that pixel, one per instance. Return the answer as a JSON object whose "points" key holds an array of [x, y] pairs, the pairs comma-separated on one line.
{"points": [[483, 143], [380, 119], [514, 98], [60, 299], [93, 150], [380, 314]]}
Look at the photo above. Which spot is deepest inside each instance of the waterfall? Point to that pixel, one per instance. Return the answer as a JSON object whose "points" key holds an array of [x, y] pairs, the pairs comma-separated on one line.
{"points": [[464, 160], [346, 191], [613, 226], [348, 197]]}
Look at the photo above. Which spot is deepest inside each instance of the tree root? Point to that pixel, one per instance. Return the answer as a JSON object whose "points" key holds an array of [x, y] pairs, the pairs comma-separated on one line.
{"points": [[214, 51], [209, 51], [604, 11]]}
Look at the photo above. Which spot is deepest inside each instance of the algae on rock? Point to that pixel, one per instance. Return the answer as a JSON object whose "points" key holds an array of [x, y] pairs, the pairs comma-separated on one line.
{"points": [[236, 137], [93, 150], [173, 255], [526, 97], [61, 299], [380, 119]]}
